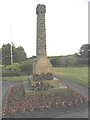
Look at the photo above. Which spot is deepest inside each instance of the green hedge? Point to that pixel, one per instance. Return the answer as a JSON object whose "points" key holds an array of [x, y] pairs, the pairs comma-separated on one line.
{"points": [[26, 66], [16, 69], [7, 73]]}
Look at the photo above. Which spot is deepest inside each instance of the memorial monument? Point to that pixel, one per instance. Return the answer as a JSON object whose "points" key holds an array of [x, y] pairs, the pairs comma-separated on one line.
{"points": [[42, 95], [42, 69]]}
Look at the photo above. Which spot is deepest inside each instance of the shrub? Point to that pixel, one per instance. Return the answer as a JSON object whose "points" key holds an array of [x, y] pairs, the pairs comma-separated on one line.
{"points": [[11, 70], [14, 67], [6, 73], [83, 61], [27, 66], [56, 61], [69, 61]]}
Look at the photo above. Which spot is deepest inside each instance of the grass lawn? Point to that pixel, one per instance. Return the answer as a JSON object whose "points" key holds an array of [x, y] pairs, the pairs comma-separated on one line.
{"points": [[16, 78], [76, 74]]}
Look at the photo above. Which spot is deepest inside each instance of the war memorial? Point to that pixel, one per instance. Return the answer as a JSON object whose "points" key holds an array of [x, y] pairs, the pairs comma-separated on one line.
{"points": [[42, 91]]}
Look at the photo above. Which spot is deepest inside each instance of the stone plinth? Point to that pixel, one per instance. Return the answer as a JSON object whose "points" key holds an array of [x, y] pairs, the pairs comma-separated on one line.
{"points": [[42, 69]]}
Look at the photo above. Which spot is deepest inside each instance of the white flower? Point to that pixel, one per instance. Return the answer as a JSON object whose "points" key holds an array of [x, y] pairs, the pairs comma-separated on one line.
{"points": [[81, 100], [56, 103], [3, 114], [31, 109], [42, 106], [14, 110], [63, 103], [3, 110]]}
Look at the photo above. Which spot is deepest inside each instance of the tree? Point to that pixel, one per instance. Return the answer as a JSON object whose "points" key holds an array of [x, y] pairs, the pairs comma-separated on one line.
{"points": [[56, 61], [18, 54], [6, 54], [85, 50]]}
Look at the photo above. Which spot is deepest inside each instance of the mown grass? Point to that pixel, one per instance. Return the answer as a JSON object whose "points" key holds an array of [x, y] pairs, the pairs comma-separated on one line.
{"points": [[16, 78], [76, 74]]}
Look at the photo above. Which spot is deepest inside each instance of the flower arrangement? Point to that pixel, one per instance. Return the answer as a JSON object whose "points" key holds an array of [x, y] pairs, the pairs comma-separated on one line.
{"points": [[40, 85], [17, 101], [43, 76]]}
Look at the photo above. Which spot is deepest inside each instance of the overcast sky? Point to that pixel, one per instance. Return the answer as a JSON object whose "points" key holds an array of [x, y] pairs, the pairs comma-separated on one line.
{"points": [[66, 25]]}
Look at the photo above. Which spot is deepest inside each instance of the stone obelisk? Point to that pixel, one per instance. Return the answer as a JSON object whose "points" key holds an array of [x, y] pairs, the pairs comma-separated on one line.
{"points": [[42, 68]]}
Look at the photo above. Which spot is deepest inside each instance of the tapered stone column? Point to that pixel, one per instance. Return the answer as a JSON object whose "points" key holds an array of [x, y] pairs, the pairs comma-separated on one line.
{"points": [[42, 68], [41, 31]]}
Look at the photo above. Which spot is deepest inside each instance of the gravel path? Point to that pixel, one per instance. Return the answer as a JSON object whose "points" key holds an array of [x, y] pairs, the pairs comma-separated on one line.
{"points": [[78, 114]]}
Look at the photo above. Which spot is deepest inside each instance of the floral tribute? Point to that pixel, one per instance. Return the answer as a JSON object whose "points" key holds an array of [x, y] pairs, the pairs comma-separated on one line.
{"points": [[38, 86], [48, 76], [16, 101]]}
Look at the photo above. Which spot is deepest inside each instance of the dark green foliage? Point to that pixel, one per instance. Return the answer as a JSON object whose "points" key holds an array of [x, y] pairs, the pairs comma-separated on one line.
{"points": [[6, 73], [11, 70], [15, 69], [78, 59], [18, 54], [56, 61], [82, 61], [27, 66], [6, 54], [68, 61], [85, 50]]}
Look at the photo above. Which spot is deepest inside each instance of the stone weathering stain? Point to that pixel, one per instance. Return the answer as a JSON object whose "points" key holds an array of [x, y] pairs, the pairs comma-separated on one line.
{"points": [[42, 68]]}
